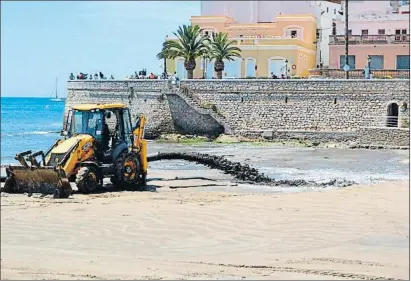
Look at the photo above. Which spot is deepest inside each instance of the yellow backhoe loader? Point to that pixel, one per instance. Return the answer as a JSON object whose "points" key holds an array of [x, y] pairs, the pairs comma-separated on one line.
{"points": [[89, 152]]}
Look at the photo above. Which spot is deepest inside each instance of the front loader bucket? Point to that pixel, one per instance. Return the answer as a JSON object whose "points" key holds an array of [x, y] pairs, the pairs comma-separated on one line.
{"points": [[36, 180]]}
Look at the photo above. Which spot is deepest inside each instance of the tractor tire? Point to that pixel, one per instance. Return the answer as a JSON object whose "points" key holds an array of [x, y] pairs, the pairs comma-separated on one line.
{"points": [[127, 171], [86, 180]]}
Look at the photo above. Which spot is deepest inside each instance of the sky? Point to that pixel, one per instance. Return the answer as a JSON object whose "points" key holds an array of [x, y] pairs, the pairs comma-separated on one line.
{"points": [[42, 41]]}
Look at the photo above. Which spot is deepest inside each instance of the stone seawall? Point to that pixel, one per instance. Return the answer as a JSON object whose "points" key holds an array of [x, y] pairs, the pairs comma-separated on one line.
{"points": [[318, 105], [333, 110], [383, 136], [143, 98]]}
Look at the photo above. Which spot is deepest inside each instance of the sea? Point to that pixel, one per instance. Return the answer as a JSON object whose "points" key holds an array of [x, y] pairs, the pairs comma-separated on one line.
{"points": [[28, 124]]}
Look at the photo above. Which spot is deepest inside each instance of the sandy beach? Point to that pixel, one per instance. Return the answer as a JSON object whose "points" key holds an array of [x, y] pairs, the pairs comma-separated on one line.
{"points": [[358, 232]]}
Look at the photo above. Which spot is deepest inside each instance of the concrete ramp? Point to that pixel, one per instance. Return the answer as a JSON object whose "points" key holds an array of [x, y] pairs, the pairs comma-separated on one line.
{"points": [[190, 119]]}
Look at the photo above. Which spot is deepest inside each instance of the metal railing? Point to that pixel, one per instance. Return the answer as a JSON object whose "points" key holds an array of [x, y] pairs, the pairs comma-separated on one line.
{"points": [[370, 39], [391, 121], [359, 73]]}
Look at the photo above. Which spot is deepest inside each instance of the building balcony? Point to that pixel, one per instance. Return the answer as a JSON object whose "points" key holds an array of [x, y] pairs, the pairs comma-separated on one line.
{"points": [[359, 74], [262, 40], [370, 39]]}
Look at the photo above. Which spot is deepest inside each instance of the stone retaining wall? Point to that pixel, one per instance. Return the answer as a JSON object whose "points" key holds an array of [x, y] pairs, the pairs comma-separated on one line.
{"points": [[383, 136], [325, 105], [335, 110]]}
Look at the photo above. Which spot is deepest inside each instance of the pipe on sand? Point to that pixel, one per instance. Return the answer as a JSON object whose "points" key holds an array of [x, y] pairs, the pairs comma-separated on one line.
{"points": [[241, 172]]}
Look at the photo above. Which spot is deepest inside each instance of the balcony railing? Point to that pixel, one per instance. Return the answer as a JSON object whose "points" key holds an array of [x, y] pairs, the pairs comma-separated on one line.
{"points": [[370, 39], [359, 74], [256, 39]]}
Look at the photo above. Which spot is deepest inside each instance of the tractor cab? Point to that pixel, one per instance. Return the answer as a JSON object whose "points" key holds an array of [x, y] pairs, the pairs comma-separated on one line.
{"points": [[108, 124]]}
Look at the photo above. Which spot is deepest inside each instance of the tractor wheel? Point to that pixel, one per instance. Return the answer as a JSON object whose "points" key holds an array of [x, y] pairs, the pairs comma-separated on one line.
{"points": [[86, 179], [63, 189], [127, 171]]}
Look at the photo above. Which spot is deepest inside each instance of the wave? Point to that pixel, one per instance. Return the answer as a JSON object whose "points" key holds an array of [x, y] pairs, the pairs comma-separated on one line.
{"points": [[32, 133], [40, 133]]}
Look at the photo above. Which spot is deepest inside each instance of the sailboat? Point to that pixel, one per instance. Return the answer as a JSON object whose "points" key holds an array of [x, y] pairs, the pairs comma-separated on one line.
{"points": [[56, 97]]}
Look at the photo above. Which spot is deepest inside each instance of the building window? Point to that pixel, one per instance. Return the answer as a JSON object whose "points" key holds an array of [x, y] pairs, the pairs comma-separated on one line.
{"points": [[400, 31], [334, 28], [335, 11], [377, 62], [381, 31], [349, 31], [403, 62], [293, 32], [327, 9], [351, 62], [318, 33], [209, 33], [364, 32]]}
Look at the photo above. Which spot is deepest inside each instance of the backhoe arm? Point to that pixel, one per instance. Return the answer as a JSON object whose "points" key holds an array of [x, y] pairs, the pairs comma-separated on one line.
{"points": [[141, 144], [139, 131]]}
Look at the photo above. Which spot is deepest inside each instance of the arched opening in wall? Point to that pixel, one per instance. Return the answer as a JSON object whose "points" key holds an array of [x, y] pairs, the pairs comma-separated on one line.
{"points": [[250, 70], [392, 115], [276, 66], [232, 69], [180, 69]]}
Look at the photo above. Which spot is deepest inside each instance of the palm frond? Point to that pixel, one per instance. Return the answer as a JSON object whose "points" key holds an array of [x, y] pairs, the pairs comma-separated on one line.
{"points": [[223, 49]]}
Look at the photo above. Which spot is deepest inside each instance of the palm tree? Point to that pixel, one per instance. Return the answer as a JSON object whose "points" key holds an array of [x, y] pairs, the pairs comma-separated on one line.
{"points": [[190, 45], [223, 49]]}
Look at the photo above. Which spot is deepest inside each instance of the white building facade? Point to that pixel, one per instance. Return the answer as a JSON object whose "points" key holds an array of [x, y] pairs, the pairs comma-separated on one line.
{"points": [[329, 12], [256, 11]]}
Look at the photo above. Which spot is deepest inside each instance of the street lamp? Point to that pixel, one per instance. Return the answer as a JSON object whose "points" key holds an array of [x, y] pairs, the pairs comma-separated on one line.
{"points": [[369, 65], [165, 59], [346, 38]]}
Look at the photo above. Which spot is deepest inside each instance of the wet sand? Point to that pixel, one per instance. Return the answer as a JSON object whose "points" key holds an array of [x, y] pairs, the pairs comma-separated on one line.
{"points": [[212, 228]]}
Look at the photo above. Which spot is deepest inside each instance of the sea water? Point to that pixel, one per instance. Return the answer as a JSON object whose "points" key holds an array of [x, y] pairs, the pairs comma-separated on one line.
{"points": [[28, 124], [34, 124]]}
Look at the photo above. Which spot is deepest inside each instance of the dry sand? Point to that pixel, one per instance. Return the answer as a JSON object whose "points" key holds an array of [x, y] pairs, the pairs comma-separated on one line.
{"points": [[350, 233]]}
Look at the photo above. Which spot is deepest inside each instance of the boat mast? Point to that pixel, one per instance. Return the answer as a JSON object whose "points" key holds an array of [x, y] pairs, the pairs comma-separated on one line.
{"points": [[56, 88]]}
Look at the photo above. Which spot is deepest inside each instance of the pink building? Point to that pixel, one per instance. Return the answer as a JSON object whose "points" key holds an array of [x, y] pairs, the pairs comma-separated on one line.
{"points": [[378, 29], [256, 11]]}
